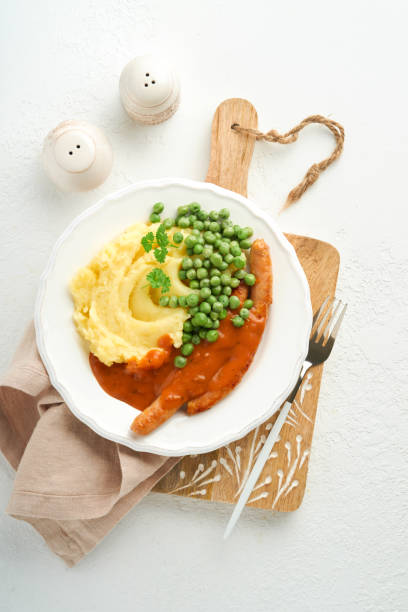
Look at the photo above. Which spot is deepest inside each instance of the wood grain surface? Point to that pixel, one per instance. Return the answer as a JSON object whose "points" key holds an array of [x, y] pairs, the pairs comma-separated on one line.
{"points": [[221, 474]]}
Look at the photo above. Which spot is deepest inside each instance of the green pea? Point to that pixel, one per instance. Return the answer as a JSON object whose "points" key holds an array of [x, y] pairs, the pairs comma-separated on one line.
{"points": [[197, 263], [229, 258], [208, 323], [250, 279], [214, 226], [168, 223], [222, 314], [177, 237], [206, 224], [197, 249], [194, 284], [187, 349], [194, 207], [249, 231], [244, 312], [217, 307], [218, 235], [184, 222], [234, 283], [241, 274], [217, 243], [227, 291], [234, 302], [190, 241], [213, 214], [196, 233], [216, 324], [236, 228], [180, 361], [182, 275], [164, 300], [224, 213], [154, 217], [199, 225], [186, 263], [192, 219], [202, 273], [202, 215], [245, 244], [195, 339], [200, 240], [234, 243], [205, 293], [158, 207], [192, 299], [187, 327], [191, 274], [209, 237], [211, 300], [223, 266], [239, 262], [242, 234], [225, 279], [205, 307], [205, 282], [212, 335], [224, 300], [182, 301], [190, 251], [193, 311], [186, 338], [215, 272], [223, 247], [234, 250], [248, 304], [202, 333], [182, 211], [237, 321], [173, 301], [216, 259], [217, 290], [214, 316], [199, 319], [207, 264], [215, 281], [228, 231], [207, 250]]}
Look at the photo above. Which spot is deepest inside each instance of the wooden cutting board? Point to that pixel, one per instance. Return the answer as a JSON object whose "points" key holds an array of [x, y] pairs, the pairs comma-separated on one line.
{"points": [[221, 474]]}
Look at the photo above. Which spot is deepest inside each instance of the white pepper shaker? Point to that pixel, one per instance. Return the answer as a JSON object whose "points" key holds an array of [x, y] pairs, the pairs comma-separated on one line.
{"points": [[77, 156], [149, 90]]}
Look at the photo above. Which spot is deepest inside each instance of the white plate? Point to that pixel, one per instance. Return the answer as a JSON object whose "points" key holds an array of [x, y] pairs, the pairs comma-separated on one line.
{"points": [[264, 387]]}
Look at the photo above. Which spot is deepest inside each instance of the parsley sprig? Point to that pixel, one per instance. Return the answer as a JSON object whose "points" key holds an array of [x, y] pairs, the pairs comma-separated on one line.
{"points": [[157, 278], [159, 243]]}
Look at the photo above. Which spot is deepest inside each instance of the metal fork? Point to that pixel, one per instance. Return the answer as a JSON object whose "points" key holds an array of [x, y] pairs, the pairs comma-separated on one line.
{"points": [[325, 326]]}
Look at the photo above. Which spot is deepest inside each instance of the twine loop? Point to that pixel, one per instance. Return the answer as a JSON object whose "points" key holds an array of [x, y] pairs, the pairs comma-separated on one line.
{"points": [[315, 170]]}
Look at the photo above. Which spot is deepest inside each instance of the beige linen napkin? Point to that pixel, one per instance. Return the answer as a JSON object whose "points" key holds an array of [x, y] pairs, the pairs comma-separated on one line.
{"points": [[71, 485]]}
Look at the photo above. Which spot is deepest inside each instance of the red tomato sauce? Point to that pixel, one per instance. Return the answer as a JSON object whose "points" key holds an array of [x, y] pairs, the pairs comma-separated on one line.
{"points": [[211, 367]]}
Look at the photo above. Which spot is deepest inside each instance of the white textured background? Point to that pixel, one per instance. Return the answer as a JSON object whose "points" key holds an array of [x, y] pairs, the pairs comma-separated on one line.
{"points": [[346, 548]]}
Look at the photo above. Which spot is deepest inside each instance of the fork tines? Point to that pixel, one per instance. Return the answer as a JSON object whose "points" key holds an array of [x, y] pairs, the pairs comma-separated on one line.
{"points": [[327, 319]]}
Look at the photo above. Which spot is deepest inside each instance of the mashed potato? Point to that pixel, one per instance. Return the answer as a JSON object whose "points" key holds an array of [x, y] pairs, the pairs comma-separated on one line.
{"points": [[116, 310]]}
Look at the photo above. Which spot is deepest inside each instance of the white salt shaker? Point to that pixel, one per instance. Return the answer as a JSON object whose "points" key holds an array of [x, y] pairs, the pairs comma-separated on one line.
{"points": [[77, 156], [149, 90]]}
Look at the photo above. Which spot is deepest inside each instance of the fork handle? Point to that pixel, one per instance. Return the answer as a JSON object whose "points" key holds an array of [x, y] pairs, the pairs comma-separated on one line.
{"points": [[306, 365]]}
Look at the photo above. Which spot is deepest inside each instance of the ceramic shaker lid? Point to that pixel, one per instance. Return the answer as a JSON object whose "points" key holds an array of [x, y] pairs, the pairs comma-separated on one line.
{"points": [[149, 90], [77, 156]]}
